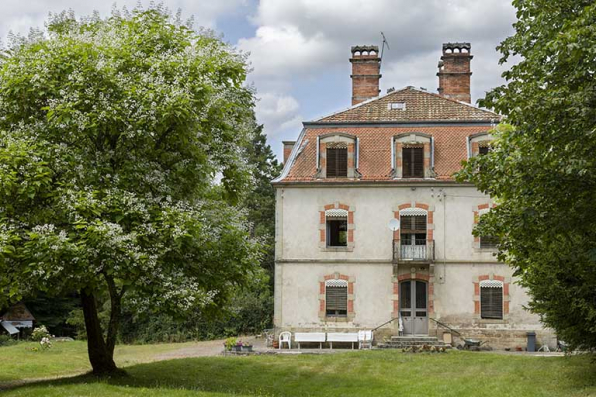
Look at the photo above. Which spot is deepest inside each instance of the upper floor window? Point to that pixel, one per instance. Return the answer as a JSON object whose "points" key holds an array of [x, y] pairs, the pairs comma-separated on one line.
{"points": [[413, 162], [491, 299], [337, 227], [337, 156], [337, 162], [412, 155], [479, 144]]}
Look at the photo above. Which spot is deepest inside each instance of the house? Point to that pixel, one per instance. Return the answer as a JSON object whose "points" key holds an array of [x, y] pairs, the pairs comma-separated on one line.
{"points": [[16, 319], [371, 225]]}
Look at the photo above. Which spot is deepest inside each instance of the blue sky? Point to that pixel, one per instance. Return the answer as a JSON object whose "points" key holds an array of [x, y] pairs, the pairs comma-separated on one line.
{"points": [[299, 49]]}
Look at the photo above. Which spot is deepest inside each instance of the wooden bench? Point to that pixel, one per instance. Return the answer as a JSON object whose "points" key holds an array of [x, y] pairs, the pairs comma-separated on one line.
{"points": [[309, 337], [342, 337]]}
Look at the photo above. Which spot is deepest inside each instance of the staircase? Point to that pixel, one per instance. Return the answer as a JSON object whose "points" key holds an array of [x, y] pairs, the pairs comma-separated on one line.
{"points": [[404, 342]]}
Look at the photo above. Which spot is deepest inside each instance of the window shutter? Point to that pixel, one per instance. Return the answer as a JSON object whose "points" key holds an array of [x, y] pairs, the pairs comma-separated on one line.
{"points": [[491, 302], [413, 224], [413, 162], [337, 162], [488, 242], [336, 300]]}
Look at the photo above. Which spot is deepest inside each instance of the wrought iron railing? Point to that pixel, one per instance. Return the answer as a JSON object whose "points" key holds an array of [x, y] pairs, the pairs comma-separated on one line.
{"points": [[421, 251]]}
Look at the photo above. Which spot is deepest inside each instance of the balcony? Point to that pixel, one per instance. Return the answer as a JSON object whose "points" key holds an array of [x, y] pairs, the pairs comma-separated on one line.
{"points": [[421, 251]]}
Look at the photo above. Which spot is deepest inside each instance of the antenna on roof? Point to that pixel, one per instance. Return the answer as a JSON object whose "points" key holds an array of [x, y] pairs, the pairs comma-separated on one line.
{"points": [[385, 43]]}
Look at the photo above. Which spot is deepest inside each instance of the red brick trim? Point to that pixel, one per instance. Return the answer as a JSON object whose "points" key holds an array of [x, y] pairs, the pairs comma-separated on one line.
{"points": [[506, 297], [477, 209], [416, 276], [322, 294]]}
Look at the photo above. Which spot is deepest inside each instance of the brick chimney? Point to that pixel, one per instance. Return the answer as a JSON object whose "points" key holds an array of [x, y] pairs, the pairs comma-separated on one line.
{"points": [[288, 146], [366, 67], [454, 71]]}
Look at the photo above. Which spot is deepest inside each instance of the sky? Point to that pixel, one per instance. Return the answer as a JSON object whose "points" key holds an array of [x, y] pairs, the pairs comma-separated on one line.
{"points": [[299, 49]]}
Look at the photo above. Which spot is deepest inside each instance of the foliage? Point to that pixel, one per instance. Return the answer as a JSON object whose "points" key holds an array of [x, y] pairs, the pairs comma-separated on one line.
{"points": [[121, 160], [53, 312], [230, 342], [45, 343], [40, 333], [7, 340], [542, 169]]}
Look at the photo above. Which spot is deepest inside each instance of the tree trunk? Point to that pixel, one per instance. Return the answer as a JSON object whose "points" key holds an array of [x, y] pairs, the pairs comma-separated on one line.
{"points": [[115, 314], [101, 358]]}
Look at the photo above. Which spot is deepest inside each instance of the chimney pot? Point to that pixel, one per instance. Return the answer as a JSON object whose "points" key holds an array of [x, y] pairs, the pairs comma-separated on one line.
{"points": [[454, 71], [366, 67]]}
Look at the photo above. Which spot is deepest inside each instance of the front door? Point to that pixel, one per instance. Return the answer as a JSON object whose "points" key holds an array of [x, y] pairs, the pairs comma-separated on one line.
{"points": [[413, 307]]}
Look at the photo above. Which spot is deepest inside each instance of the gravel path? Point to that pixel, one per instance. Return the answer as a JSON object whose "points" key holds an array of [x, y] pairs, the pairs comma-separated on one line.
{"points": [[207, 349]]}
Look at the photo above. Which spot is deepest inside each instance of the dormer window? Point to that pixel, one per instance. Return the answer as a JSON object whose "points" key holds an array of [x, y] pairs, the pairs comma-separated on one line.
{"points": [[479, 144], [412, 156], [337, 156], [413, 162], [337, 161]]}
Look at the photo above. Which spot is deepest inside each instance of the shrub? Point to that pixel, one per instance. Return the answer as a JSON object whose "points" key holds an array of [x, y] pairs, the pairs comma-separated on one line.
{"points": [[40, 333]]}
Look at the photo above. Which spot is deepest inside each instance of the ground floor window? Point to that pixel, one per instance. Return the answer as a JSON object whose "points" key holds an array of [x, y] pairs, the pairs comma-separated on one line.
{"points": [[336, 298], [491, 299]]}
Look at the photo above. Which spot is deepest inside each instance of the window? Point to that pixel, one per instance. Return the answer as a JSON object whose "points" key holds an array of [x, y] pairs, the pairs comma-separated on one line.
{"points": [[413, 162], [337, 162], [483, 150], [337, 228], [336, 298], [397, 106], [488, 242], [491, 299], [413, 236]]}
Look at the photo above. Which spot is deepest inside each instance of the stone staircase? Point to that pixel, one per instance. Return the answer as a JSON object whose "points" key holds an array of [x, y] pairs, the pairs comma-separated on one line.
{"points": [[404, 342]]}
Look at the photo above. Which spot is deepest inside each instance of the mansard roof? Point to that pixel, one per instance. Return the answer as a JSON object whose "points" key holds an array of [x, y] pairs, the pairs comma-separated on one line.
{"points": [[450, 123], [420, 106]]}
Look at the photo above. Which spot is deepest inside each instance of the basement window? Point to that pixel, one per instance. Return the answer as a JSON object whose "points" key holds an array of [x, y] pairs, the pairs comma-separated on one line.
{"points": [[336, 298], [397, 106], [491, 299]]}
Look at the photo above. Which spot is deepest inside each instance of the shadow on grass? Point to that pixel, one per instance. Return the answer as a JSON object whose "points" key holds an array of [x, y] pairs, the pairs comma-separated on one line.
{"points": [[353, 375]]}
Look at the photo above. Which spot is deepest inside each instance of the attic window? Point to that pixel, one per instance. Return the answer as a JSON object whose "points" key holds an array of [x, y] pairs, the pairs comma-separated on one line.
{"points": [[397, 106]]}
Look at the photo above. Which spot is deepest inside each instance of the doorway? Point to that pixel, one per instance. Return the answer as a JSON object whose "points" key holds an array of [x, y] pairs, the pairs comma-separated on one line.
{"points": [[413, 305]]}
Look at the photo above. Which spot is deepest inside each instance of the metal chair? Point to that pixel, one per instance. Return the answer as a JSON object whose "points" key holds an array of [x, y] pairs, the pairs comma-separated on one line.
{"points": [[285, 337]]}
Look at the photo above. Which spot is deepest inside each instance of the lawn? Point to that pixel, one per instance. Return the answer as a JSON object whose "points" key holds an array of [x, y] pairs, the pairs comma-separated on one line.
{"points": [[368, 373]]}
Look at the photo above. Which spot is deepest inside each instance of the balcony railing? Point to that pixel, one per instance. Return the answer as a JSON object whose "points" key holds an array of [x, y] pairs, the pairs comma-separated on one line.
{"points": [[422, 251]]}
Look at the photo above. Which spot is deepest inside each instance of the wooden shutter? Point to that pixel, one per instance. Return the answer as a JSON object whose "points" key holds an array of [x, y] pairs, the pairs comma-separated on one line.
{"points": [[336, 300], [488, 242], [337, 162], [413, 224], [413, 162], [491, 302]]}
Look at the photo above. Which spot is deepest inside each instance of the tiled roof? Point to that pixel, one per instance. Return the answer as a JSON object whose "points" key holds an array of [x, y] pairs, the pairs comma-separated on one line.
{"points": [[375, 151], [420, 106], [17, 312]]}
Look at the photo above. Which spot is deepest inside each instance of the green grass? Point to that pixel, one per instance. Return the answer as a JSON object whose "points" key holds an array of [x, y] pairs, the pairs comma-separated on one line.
{"points": [[370, 373]]}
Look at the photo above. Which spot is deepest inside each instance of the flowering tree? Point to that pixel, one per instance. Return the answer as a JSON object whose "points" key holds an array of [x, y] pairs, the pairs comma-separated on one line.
{"points": [[121, 162]]}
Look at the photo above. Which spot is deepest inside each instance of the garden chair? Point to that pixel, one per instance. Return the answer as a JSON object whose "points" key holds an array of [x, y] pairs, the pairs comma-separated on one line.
{"points": [[365, 339], [285, 337]]}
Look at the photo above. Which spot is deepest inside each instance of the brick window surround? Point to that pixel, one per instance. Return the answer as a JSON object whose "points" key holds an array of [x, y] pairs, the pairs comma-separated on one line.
{"points": [[340, 140], [323, 227], [322, 297], [412, 139], [479, 210], [477, 141], [506, 298], [415, 275], [429, 278]]}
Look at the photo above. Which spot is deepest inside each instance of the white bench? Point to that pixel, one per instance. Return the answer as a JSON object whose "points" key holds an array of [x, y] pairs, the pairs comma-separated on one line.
{"points": [[309, 337], [342, 337]]}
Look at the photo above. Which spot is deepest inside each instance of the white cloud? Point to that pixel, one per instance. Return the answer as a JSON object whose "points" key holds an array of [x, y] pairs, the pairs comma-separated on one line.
{"points": [[278, 113]]}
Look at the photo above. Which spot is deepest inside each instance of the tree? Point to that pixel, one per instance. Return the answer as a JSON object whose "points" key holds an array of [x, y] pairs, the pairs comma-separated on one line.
{"points": [[121, 162], [542, 169]]}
